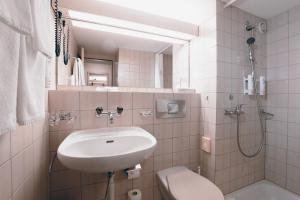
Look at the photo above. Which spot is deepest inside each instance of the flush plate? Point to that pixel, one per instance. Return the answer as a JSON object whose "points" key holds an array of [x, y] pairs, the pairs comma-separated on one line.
{"points": [[170, 108]]}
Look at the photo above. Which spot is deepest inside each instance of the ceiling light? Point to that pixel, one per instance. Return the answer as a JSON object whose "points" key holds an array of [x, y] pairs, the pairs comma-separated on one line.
{"points": [[129, 26], [110, 29]]}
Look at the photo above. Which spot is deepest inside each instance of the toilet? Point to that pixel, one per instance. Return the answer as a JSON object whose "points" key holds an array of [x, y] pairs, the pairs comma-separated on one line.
{"points": [[180, 183]]}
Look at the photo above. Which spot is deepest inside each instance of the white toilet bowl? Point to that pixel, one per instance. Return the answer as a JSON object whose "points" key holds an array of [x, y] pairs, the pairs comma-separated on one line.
{"points": [[180, 183]]}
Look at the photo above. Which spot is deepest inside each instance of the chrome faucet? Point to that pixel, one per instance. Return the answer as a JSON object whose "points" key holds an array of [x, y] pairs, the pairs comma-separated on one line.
{"points": [[234, 111], [111, 114]]}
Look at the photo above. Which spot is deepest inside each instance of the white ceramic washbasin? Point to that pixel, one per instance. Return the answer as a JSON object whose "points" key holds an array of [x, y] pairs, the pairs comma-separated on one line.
{"points": [[106, 149]]}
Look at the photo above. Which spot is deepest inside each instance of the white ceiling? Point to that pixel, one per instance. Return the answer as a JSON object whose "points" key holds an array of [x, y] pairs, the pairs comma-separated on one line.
{"points": [[265, 8], [97, 42]]}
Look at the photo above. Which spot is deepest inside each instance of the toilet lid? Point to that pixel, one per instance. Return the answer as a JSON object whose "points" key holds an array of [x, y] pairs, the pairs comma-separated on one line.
{"points": [[187, 185]]}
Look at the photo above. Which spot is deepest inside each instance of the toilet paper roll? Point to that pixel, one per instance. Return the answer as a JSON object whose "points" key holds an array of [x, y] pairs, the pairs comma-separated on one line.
{"points": [[135, 194]]}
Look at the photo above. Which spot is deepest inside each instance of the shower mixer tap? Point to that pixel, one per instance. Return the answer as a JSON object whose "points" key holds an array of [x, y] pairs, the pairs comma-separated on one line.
{"points": [[237, 110]]}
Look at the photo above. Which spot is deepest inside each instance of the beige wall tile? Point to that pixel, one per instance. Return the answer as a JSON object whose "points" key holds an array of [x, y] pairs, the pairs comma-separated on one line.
{"points": [[20, 138], [5, 181], [25, 191], [90, 121], [41, 157], [22, 169], [96, 191], [147, 193], [163, 131], [63, 100], [181, 129], [145, 181], [91, 100], [64, 180], [196, 100], [293, 186], [122, 186], [123, 99], [195, 142], [87, 179], [142, 100], [181, 158], [148, 165], [195, 156], [70, 194], [181, 144], [28, 162], [164, 146], [18, 171], [196, 128], [4, 148], [163, 162], [39, 128]]}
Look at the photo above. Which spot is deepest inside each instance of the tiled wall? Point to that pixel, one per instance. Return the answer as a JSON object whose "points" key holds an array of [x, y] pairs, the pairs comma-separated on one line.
{"points": [[178, 140], [218, 63], [283, 136], [136, 68], [24, 163], [233, 170], [203, 68]]}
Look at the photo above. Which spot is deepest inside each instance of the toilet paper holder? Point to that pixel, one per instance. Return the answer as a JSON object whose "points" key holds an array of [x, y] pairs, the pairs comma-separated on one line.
{"points": [[133, 172]]}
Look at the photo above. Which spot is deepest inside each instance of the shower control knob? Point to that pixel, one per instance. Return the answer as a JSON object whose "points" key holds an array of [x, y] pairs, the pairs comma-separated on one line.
{"points": [[120, 110], [238, 108], [229, 112], [99, 110]]}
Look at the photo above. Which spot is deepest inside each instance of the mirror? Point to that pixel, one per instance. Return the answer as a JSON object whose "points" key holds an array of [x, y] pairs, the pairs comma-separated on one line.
{"points": [[117, 56]]}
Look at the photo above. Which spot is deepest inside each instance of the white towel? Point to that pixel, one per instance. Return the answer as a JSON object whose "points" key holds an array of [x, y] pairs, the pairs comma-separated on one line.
{"points": [[74, 77], [17, 15], [81, 72], [78, 73], [9, 56], [31, 83], [41, 26]]}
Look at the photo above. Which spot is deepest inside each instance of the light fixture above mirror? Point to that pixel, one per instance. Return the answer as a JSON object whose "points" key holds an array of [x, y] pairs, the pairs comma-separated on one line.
{"points": [[114, 25]]}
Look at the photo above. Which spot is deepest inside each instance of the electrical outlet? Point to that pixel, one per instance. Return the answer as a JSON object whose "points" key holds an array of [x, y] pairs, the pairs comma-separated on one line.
{"points": [[206, 144]]}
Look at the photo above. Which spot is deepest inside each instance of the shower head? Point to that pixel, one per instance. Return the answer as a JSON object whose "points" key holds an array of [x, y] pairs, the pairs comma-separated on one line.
{"points": [[249, 27], [250, 40], [260, 26]]}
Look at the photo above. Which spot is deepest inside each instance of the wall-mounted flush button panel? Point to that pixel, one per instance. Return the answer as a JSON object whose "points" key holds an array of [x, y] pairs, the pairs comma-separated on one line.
{"points": [[170, 108], [173, 108]]}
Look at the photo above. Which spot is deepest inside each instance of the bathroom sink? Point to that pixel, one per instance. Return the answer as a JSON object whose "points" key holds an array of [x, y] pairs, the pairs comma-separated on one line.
{"points": [[106, 149]]}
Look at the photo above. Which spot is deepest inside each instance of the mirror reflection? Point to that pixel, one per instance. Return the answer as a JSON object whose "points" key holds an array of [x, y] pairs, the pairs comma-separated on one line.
{"points": [[110, 55]]}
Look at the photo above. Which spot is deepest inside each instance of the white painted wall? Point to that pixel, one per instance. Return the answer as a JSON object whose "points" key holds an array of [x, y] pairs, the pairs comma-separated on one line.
{"points": [[181, 66]]}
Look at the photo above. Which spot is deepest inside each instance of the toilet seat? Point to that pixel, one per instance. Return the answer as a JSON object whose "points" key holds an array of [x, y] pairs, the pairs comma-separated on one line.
{"points": [[180, 183]]}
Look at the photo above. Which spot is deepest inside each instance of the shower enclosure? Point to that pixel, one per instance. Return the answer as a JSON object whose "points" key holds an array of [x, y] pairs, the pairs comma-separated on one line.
{"points": [[255, 87]]}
